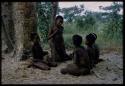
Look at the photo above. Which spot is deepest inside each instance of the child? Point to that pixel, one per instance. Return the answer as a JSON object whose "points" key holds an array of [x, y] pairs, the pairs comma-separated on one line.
{"points": [[92, 48], [90, 39], [56, 37], [81, 64], [38, 53], [97, 51], [37, 50]]}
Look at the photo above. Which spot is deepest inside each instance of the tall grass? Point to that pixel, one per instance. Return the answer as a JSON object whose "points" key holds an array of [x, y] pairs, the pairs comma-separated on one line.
{"points": [[104, 43]]}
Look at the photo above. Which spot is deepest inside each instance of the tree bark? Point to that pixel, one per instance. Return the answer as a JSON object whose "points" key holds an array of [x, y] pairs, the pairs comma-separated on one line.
{"points": [[54, 11], [7, 25], [24, 15]]}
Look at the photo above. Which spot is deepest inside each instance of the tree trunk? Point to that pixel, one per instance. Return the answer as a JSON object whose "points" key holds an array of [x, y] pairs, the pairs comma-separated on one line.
{"points": [[7, 25], [25, 23], [54, 11]]}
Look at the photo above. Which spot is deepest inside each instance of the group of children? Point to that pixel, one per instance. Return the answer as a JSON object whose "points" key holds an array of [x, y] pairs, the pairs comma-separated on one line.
{"points": [[84, 57]]}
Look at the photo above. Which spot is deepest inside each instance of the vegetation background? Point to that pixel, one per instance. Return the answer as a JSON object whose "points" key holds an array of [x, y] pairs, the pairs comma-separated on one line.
{"points": [[107, 25]]}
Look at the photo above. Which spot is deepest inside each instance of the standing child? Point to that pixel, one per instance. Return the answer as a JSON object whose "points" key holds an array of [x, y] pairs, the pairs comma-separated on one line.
{"points": [[81, 64], [56, 35]]}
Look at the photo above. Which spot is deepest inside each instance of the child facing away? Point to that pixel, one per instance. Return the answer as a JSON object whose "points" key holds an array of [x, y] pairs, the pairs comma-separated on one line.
{"points": [[97, 50], [92, 49], [81, 64]]}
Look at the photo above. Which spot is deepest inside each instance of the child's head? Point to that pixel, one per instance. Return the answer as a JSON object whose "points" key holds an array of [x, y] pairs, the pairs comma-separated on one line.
{"points": [[34, 36], [77, 40], [90, 39], [59, 20], [94, 35]]}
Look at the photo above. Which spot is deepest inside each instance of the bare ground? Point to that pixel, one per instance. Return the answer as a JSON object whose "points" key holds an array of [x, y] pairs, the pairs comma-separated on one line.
{"points": [[110, 71]]}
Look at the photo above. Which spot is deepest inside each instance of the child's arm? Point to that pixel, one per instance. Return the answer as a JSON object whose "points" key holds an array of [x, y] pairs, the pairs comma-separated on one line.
{"points": [[76, 58], [50, 31], [52, 34], [97, 51]]}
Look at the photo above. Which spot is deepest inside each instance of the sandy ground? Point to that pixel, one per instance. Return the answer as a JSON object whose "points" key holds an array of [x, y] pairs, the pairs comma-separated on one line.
{"points": [[110, 71]]}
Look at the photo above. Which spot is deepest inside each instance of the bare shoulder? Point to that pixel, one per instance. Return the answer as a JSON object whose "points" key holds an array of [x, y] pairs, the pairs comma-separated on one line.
{"points": [[81, 50]]}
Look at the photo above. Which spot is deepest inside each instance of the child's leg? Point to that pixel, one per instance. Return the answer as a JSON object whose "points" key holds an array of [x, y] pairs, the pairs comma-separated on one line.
{"points": [[41, 65], [71, 69], [84, 71], [64, 71], [49, 61]]}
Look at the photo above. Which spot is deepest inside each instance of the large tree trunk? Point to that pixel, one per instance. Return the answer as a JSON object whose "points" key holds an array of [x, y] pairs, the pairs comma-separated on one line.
{"points": [[7, 25], [25, 23], [54, 11]]}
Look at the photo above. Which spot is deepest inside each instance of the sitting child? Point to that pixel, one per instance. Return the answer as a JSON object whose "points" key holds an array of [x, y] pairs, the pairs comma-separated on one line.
{"points": [[92, 48], [37, 50], [97, 51], [81, 64], [38, 53]]}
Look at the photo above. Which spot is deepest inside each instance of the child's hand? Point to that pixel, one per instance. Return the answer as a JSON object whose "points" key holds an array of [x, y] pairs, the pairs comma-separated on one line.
{"points": [[54, 32]]}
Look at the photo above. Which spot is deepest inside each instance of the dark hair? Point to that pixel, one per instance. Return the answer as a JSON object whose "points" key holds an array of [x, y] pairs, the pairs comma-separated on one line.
{"points": [[33, 35], [94, 35], [59, 17], [91, 38], [77, 40]]}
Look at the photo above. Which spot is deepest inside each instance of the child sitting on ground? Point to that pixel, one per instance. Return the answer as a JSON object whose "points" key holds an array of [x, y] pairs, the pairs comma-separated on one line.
{"points": [[97, 50], [92, 49], [81, 64], [37, 50], [38, 53]]}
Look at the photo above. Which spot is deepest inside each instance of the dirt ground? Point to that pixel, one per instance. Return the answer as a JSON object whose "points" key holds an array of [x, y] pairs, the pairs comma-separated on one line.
{"points": [[110, 71]]}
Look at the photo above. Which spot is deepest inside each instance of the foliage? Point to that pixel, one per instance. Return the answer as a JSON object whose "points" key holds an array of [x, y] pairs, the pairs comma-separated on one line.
{"points": [[86, 21], [71, 12], [44, 17], [113, 26], [107, 25]]}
